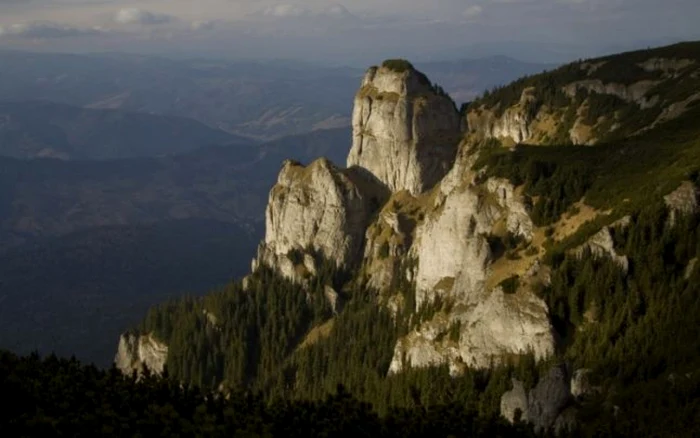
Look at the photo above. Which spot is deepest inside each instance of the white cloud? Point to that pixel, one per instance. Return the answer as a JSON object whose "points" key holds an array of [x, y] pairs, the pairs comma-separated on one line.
{"points": [[140, 16], [46, 30], [286, 10], [473, 11], [202, 25]]}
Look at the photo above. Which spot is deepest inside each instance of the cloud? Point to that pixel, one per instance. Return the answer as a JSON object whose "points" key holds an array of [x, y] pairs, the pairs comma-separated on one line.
{"points": [[140, 16], [473, 11], [46, 30], [202, 25], [286, 10]]}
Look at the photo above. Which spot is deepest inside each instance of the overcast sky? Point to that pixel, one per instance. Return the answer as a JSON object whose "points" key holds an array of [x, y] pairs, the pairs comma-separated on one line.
{"points": [[351, 33]]}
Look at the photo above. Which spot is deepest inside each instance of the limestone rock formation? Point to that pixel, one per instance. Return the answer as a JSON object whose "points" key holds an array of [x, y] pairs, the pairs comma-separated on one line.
{"points": [[137, 352], [516, 122], [453, 262], [581, 384], [681, 201], [601, 245], [544, 405], [404, 131], [316, 210]]}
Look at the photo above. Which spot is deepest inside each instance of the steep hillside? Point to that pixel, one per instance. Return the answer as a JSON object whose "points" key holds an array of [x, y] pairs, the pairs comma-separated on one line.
{"points": [[44, 129], [502, 262], [592, 101]]}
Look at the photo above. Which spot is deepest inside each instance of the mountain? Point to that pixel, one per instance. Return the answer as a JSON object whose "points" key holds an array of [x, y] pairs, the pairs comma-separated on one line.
{"points": [[261, 100], [44, 129], [532, 255], [73, 294], [47, 197], [88, 247], [467, 79]]}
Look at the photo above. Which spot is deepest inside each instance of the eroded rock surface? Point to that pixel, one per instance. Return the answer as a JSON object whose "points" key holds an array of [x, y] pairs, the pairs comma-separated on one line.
{"points": [[544, 405], [404, 132], [683, 200], [318, 209], [137, 352], [601, 244]]}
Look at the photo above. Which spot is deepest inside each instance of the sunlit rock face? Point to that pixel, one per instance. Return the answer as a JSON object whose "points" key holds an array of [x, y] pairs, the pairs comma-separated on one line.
{"points": [[138, 352], [404, 132], [317, 210]]}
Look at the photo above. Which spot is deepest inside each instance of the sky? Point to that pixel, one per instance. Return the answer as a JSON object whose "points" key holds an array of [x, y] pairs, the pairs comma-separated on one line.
{"points": [[350, 33]]}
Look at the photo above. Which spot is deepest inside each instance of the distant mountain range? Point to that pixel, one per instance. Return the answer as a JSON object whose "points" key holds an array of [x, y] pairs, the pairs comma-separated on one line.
{"points": [[46, 129], [261, 100], [88, 246]]}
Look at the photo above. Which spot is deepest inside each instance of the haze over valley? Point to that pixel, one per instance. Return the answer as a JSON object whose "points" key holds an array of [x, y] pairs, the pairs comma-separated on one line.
{"points": [[385, 218]]}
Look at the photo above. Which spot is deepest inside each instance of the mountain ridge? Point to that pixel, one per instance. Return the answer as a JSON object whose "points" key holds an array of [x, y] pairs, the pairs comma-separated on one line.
{"points": [[491, 268]]}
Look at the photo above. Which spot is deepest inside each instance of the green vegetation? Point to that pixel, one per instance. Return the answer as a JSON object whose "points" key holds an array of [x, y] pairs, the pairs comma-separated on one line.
{"points": [[624, 174], [636, 329], [510, 285], [398, 65], [59, 397], [623, 69]]}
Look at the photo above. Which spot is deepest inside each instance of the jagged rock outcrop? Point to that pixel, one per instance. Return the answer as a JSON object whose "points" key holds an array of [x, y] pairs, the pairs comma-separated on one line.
{"points": [[601, 244], [515, 123], [581, 383], [137, 352], [544, 405], [668, 66], [404, 131], [316, 210], [497, 326], [636, 93], [683, 200], [453, 262]]}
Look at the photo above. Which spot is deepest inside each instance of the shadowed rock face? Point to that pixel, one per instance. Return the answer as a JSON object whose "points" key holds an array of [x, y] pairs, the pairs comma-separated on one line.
{"points": [[544, 405], [404, 132]]}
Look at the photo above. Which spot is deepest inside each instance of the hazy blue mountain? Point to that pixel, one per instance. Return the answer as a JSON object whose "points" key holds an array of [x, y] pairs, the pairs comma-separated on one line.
{"points": [[73, 294], [45, 129], [89, 246], [256, 99]]}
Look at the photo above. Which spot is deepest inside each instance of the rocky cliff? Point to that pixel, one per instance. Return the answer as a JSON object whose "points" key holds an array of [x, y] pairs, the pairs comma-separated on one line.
{"points": [[430, 232], [588, 102], [136, 353], [444, 229], [405, 131], [317, 211]]}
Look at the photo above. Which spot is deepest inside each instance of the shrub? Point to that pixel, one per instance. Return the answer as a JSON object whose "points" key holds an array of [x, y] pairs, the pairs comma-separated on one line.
{"points": [[510, 285]]}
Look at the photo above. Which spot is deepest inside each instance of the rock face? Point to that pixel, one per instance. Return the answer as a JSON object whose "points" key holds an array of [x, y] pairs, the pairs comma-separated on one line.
{"points": [[516, 122], [683, 200], [404, 132], [601, 245], [453, 263], [135, 353], [544, 405], [316, 210]]}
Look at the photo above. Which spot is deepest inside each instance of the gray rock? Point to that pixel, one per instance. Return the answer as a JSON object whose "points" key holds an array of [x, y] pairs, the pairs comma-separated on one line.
{"points": [[515, 401], [683, 200], [548, 398], [317, 208], [547, 405], [404, 133], [580, 383], [137, 352]]}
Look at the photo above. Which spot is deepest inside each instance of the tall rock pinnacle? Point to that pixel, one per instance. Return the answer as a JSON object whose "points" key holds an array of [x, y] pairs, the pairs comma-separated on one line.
{"points": [[405, 131]]}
